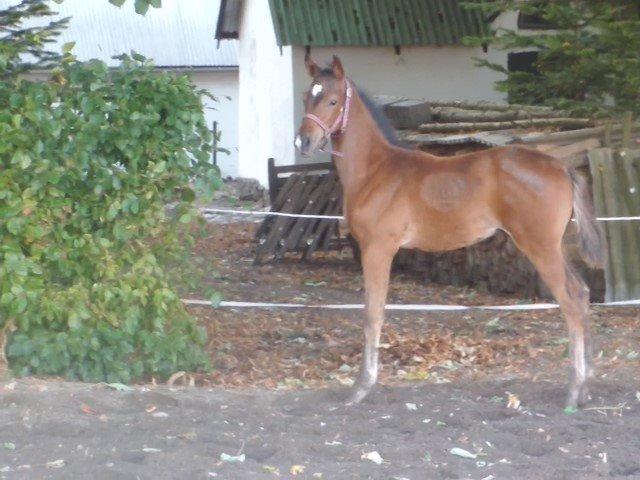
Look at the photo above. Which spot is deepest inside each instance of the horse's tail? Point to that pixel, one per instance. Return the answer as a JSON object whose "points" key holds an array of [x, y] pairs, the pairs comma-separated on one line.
{"points": [[591, 236]]}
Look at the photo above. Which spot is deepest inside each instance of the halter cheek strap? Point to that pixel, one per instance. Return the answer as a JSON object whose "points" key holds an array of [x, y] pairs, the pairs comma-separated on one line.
{"points": [[340, 123]]}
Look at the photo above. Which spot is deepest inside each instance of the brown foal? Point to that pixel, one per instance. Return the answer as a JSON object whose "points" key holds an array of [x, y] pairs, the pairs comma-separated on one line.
{"points": [[396, 198]]}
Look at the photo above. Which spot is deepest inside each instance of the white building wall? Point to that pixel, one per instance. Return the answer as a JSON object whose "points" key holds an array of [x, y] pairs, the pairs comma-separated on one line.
{"points": [[266, 102], [224, 85]]}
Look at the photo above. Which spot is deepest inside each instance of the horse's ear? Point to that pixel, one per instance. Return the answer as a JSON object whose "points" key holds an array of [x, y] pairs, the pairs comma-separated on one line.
{"points": [[312, 68], [336, 67]]}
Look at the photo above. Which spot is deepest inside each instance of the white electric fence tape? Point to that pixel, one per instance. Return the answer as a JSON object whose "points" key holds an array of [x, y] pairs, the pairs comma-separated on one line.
{"points": [[262, 213], [337, 217], [409, 307]]}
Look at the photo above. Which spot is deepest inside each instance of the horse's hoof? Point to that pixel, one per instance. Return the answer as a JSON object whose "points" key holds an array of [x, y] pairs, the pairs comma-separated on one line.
{"points": [[578, 397], [583, 397], [357, 396]]}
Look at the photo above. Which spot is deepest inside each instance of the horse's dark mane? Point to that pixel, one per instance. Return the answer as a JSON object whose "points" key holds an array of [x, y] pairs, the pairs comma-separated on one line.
{"points": [[381, 120]]}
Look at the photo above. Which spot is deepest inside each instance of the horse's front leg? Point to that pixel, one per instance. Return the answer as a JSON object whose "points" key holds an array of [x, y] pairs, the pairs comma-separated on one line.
{"points": [[376, 267]]}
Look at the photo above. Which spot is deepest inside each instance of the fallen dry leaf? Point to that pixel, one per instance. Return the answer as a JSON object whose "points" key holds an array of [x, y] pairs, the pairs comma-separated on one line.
{"points": [[513, 401], [461, 452], [55, 464], [84, 408], [374, 456], [297, 469]]}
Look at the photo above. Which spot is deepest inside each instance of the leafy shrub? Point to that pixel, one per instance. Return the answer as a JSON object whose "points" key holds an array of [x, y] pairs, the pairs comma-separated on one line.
{"points": [[90, 161]]}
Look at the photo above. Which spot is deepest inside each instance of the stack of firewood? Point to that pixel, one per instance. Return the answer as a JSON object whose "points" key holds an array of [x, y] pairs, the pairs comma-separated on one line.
{"points": [[457, 116], [495, 264]]}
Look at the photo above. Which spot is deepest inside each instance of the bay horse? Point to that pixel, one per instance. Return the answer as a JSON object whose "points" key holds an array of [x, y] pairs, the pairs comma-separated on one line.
{"points": [[397, 197]]}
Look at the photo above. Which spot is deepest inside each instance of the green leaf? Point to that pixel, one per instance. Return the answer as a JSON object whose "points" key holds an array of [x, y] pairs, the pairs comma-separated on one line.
{"points": [[141, 6], [139, 58], [156, 3], [215, 299], [67, 47], [74, 320], [21, 158], [570, 410], [117, 3], [120, 387]]}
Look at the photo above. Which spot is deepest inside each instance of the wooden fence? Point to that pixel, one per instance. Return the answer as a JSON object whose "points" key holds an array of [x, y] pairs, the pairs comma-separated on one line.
{"points": [[616, 192], [308, 189]]}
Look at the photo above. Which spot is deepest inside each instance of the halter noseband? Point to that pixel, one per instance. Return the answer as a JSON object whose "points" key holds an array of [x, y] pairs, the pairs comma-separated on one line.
{"points": [[340, 124]]}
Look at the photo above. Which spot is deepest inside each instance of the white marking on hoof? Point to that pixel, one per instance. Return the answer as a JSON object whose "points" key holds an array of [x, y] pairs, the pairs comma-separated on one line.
{"points": [[357, 397]]}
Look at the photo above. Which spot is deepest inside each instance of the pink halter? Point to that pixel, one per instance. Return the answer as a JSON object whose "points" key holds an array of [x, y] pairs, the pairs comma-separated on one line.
{"points": [[340, 124]]}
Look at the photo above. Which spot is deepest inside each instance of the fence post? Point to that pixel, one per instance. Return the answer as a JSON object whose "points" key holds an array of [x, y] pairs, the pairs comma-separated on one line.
{"points": [[627, 124], [272, 180], [608, 125], [214, 153]]}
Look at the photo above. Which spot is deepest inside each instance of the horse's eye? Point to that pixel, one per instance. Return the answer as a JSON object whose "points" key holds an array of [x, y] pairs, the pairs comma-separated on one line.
{"points": [[333, 102]]}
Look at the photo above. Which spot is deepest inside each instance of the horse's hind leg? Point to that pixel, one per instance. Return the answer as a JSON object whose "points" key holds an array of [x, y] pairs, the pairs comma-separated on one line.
{"points": [[572, 295], [376, 267]]}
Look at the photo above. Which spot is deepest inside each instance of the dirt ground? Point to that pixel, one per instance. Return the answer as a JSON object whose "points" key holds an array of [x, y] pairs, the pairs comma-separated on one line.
{"points": [[489, 383]]}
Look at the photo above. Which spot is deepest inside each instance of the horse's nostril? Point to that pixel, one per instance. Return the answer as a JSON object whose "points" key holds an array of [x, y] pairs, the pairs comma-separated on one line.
{"points": [[302, 142]]}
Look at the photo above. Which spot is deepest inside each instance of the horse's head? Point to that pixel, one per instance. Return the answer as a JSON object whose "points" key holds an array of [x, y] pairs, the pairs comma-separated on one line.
{"points": [[324, 106]]}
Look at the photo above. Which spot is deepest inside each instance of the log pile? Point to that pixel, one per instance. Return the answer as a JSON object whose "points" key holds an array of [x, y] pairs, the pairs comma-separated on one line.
{"points": [[495, 264], [488, 123], [451, 117]]}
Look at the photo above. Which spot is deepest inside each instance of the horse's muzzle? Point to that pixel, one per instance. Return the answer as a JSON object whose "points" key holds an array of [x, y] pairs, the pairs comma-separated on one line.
{"points": [[303, 144]]}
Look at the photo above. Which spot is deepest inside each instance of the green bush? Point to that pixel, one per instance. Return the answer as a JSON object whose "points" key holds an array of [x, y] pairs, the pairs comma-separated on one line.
{"points": [[587, 60], [90, 161]]}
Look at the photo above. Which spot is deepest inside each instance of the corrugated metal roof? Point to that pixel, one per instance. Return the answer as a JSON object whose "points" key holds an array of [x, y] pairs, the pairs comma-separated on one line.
{"points": [[374, 22], [180, 34]]}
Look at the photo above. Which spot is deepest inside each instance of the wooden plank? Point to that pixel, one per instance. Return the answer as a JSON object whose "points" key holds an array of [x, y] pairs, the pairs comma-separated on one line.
{"points": [[452, 114], [319, 240], [273, 180], [615, 180], [499, 107], [324, 208], [298, 202], [334, 207], [596, 160], [315, 198], [566, 151], [485, 126], [600, 161], [627, 124], [284, 192], [408, 113], [573, 135], [304, 167], [607, 133], [276, 205], [269, 244], [629, 163]]}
